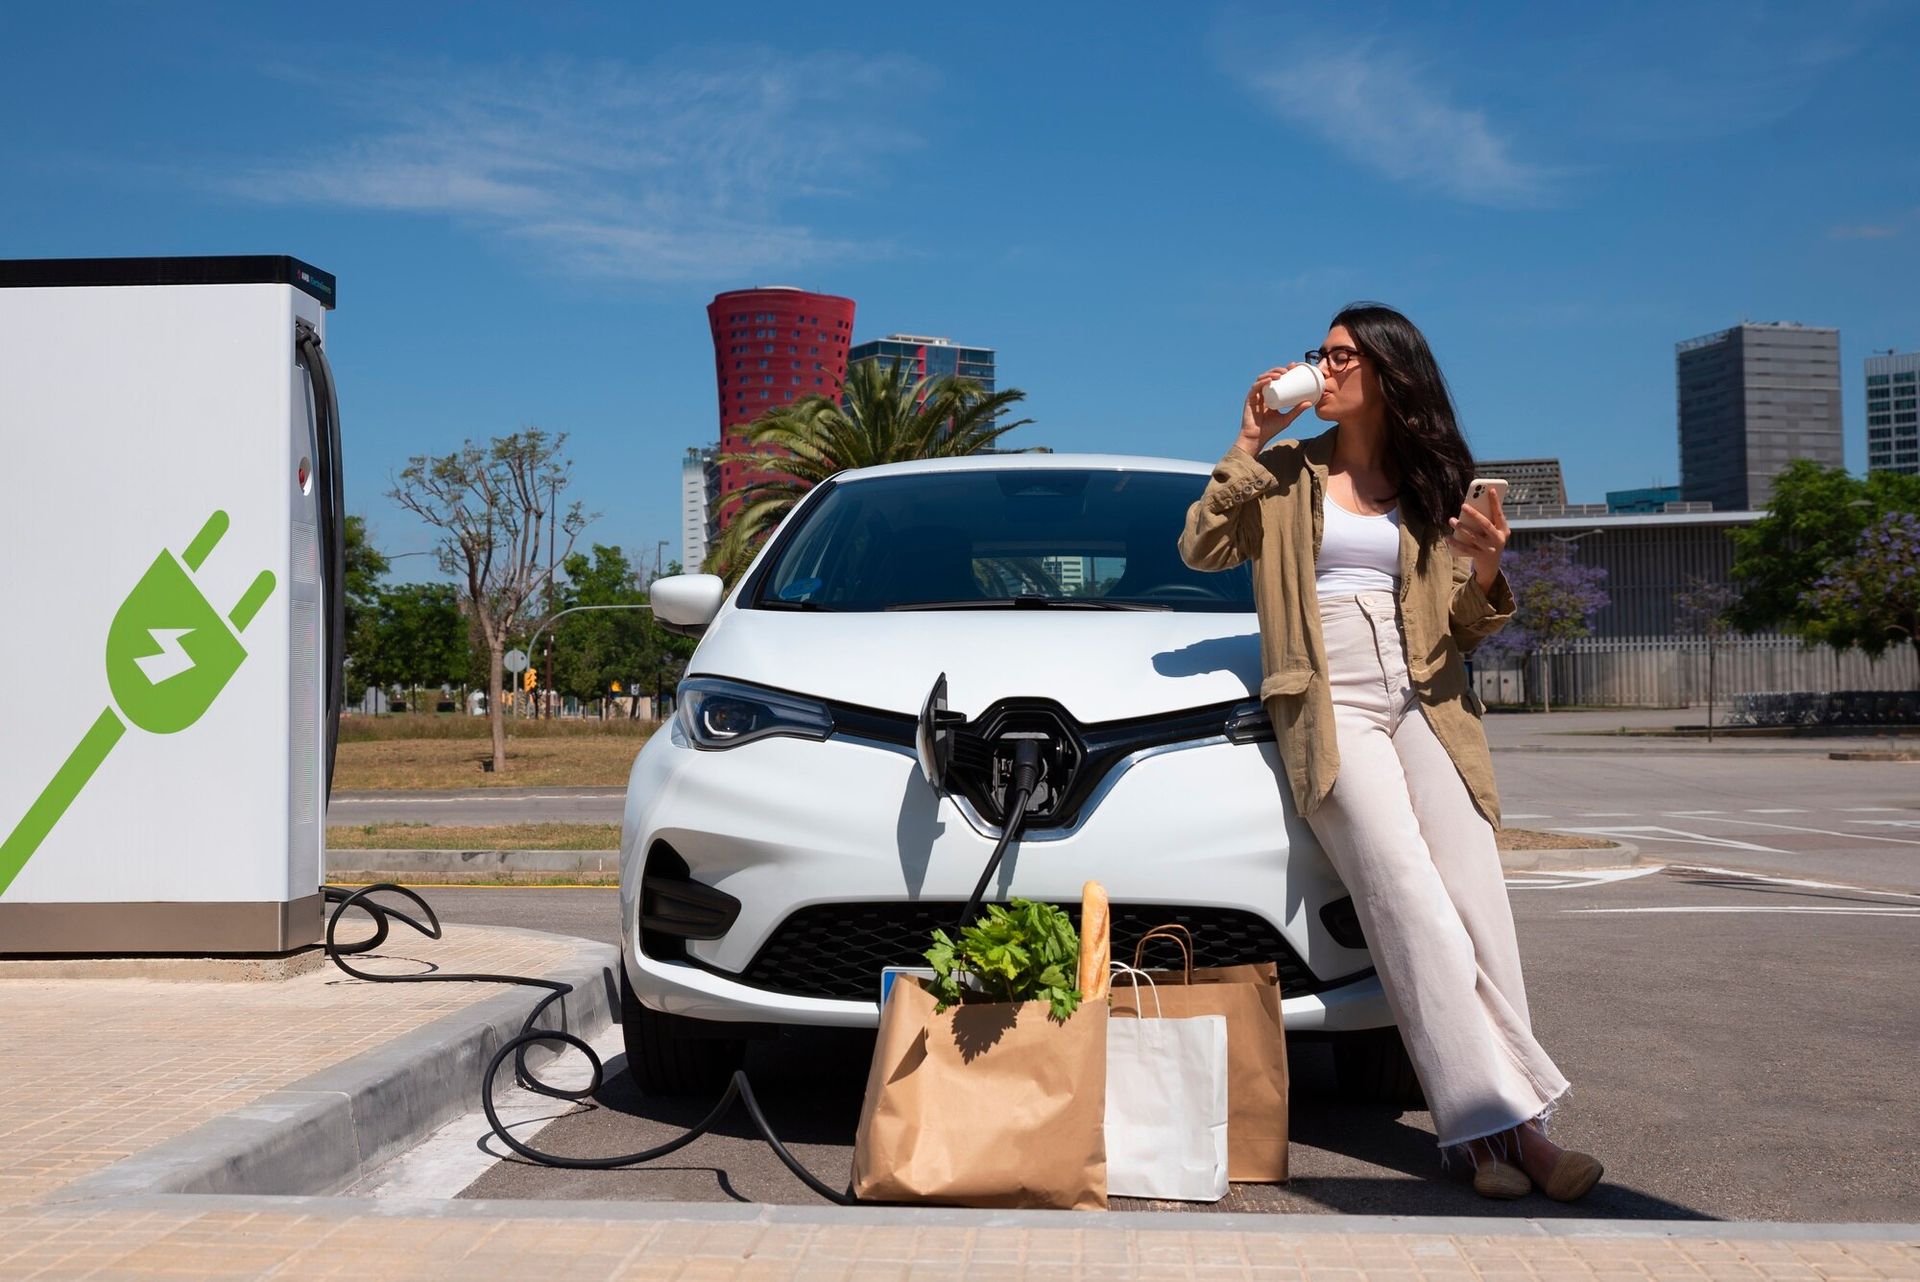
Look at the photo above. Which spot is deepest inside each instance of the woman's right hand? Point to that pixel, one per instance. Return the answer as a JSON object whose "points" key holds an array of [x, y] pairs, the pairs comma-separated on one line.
{"points": [[1258, 424]]}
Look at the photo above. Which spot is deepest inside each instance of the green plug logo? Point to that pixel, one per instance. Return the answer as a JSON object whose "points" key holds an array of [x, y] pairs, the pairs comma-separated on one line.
{"points": [[169, 655]]}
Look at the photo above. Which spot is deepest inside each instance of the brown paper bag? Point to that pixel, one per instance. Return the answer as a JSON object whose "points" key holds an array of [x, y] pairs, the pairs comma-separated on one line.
{"points": [[991, 1105], [1249, 996]]}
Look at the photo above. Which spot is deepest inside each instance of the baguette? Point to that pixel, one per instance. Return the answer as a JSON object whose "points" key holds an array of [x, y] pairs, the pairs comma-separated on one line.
{"points": [[1096, 943]]}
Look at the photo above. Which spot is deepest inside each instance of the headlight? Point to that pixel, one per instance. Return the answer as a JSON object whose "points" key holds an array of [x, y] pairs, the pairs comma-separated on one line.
{"points": [[725, 714]]}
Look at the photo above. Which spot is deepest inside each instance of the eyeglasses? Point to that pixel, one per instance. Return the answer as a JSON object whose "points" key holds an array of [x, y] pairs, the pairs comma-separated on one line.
{"points": [[1337, 358]]}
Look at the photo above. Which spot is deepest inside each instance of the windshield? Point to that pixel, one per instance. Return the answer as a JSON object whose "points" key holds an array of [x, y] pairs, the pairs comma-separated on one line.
{"points": [[1017, 537]]}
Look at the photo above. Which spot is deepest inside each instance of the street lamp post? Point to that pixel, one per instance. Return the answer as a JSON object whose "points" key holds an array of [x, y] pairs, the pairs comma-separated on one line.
{"points": [[574, 609]]}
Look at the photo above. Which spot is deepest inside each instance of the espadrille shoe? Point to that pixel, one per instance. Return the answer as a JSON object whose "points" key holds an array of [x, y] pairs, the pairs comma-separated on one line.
{"points": [[1495, 1178], [1573, 1176]]}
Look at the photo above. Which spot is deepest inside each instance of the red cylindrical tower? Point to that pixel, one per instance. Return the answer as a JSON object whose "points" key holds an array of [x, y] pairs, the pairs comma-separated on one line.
{"points": [[772, 345]]}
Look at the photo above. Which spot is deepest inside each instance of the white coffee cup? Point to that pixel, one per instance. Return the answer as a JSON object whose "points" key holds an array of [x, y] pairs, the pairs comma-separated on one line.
{"points": [[1301, 383]]}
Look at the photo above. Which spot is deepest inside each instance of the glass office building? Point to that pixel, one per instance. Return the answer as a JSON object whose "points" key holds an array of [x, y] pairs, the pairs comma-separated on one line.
{"points": [[928, 357], [1893, 426]]}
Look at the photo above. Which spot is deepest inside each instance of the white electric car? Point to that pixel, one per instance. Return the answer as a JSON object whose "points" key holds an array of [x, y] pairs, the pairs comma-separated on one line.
{"points": [[782, 841]]}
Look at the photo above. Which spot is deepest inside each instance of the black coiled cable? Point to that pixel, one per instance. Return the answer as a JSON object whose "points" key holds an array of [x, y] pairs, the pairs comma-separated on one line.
{"points": [[738, 1090]]}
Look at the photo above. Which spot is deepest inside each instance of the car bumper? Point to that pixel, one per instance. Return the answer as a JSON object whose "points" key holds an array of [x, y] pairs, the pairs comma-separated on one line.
{"points": [[783, 824]]}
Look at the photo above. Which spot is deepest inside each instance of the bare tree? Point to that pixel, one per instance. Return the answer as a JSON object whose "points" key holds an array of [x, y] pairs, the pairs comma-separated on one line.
{"points": [[488, 502]]}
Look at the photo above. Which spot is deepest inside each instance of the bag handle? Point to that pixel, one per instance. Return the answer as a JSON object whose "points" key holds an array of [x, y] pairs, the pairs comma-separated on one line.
{"points": [[1178, 934], [1134, 975]]}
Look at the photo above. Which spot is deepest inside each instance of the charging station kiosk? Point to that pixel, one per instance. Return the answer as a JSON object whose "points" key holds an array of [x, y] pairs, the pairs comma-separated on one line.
{"points": [[170, 565]]}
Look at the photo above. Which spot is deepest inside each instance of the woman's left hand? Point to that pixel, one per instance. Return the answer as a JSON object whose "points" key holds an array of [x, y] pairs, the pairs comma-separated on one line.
{"points": [[1481, 537]]}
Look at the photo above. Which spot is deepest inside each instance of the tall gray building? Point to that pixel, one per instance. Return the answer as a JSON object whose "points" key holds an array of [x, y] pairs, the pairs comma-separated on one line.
{"points": [[1893, 428], [1752, 399], [699, 504]]}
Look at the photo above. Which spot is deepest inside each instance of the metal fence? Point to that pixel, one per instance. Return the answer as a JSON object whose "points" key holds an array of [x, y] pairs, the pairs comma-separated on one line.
{"points": [[1671, 672]]}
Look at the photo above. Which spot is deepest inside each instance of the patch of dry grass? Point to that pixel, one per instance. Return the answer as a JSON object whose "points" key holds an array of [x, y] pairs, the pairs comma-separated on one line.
{"points": [[448, 725], [1533, 839], [539, 836], [560, 760]]}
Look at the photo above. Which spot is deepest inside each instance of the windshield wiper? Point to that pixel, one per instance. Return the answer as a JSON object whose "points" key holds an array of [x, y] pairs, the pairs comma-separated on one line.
{"points": [[1029, 601], [774, 603]]}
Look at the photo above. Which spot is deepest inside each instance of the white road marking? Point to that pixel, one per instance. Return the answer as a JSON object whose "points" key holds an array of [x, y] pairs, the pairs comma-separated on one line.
{"points": [[1577, 880], [1887, 910], [1820, 832], [1526, 816], [463, 1150], [1743, 875], [1607, 814], [1649, 833], [1865, 810], [1789, 810], [1887, 823]]}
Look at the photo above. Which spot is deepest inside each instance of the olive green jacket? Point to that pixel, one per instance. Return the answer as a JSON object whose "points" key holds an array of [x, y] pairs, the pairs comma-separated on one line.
{"points": [[1268, 509]]}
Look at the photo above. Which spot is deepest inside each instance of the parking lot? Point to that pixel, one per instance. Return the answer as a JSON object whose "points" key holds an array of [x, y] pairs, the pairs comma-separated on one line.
{"points": [[1738, 1020]]}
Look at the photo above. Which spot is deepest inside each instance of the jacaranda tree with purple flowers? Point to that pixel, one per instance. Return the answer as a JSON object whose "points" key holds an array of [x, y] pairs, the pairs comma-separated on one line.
{"points": [[1555, 601], [1872, 598]]}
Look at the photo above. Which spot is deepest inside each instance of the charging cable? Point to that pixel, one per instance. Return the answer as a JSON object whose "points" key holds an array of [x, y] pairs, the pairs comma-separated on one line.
{"points": [[739, 1089], [1025, 778]]}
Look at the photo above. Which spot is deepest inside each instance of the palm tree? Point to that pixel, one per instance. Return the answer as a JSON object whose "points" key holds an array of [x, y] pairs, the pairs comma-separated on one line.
{"points": [[887, 417]]}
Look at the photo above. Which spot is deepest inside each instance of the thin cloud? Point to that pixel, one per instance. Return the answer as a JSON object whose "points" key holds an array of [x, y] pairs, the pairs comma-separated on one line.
{"points": [[650, 173], [1376, 106], [1874, 231]]}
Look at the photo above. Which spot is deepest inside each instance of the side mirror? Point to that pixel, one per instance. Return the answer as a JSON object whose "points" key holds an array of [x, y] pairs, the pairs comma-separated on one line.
{"points": [[686, 603]]}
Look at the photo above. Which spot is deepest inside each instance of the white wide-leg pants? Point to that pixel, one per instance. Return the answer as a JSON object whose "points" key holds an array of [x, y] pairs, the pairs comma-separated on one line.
{"points": [[1402, 831]]}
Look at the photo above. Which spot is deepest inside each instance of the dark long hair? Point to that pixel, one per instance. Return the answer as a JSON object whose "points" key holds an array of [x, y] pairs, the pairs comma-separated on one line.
{"points": [[1423, 438]]}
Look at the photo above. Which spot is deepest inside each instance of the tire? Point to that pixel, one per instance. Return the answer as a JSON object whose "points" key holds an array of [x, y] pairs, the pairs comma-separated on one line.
{"points": [[672, 1054], [1374, 1066]]}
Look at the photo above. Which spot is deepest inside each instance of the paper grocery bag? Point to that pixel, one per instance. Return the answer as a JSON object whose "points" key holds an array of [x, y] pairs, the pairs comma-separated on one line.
{"points": [[1167, 1106], [1249, 997], [992, 1105]]}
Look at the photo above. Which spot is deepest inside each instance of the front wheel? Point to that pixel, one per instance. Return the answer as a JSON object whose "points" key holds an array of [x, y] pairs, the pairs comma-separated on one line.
{"points": [[672, 1054], [1374, 1066]]}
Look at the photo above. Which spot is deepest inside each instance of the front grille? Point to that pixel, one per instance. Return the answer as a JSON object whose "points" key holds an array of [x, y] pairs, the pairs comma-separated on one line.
{"points": [[837, 950]]}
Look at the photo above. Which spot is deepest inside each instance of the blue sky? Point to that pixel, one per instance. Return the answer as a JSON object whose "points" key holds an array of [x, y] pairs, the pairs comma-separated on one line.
{"points": [[1141, 206]]}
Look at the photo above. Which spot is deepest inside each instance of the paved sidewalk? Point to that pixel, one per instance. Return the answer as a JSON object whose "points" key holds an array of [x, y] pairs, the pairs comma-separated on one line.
{"points": [[113, 1092], [299, 1238], [93, 1071], [1594, 731]]}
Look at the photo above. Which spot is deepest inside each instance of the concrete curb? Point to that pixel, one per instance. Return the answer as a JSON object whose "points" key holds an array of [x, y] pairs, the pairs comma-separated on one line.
{"points": [[1621, 854], [325, 1131], [350, 863], [495, 1210]]}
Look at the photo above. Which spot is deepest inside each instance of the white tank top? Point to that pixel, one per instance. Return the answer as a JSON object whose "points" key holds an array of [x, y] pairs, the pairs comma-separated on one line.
{"points": [[1357, 553]]}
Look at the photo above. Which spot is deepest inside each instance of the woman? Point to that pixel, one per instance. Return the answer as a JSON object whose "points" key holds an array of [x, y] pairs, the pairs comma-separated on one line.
{"points": [[1372, 578]]}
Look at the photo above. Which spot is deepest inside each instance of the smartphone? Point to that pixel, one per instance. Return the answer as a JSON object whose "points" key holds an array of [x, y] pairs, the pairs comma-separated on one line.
{"points": [[1480, 492]]}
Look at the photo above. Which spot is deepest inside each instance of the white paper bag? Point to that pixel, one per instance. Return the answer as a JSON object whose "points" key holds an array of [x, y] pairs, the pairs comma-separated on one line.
{"points": [[1166, 1105]]}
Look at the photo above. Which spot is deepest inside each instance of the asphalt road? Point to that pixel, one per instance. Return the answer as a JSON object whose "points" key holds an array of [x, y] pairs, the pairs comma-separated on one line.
{"points": [[1791, 813], [1848, 821], [479, 806], [1739, 1047]]}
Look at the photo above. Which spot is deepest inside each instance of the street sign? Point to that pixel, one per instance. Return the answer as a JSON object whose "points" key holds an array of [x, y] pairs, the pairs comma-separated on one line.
{"points": [[515, 661]]}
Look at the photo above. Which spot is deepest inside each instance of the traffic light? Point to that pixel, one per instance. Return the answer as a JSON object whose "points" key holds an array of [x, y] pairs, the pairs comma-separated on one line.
{"points": [[616, 687], [529, 680]]}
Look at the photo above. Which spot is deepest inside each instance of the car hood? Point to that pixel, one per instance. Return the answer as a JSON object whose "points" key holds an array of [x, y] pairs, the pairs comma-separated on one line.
{"points": [[1101, 665]]}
